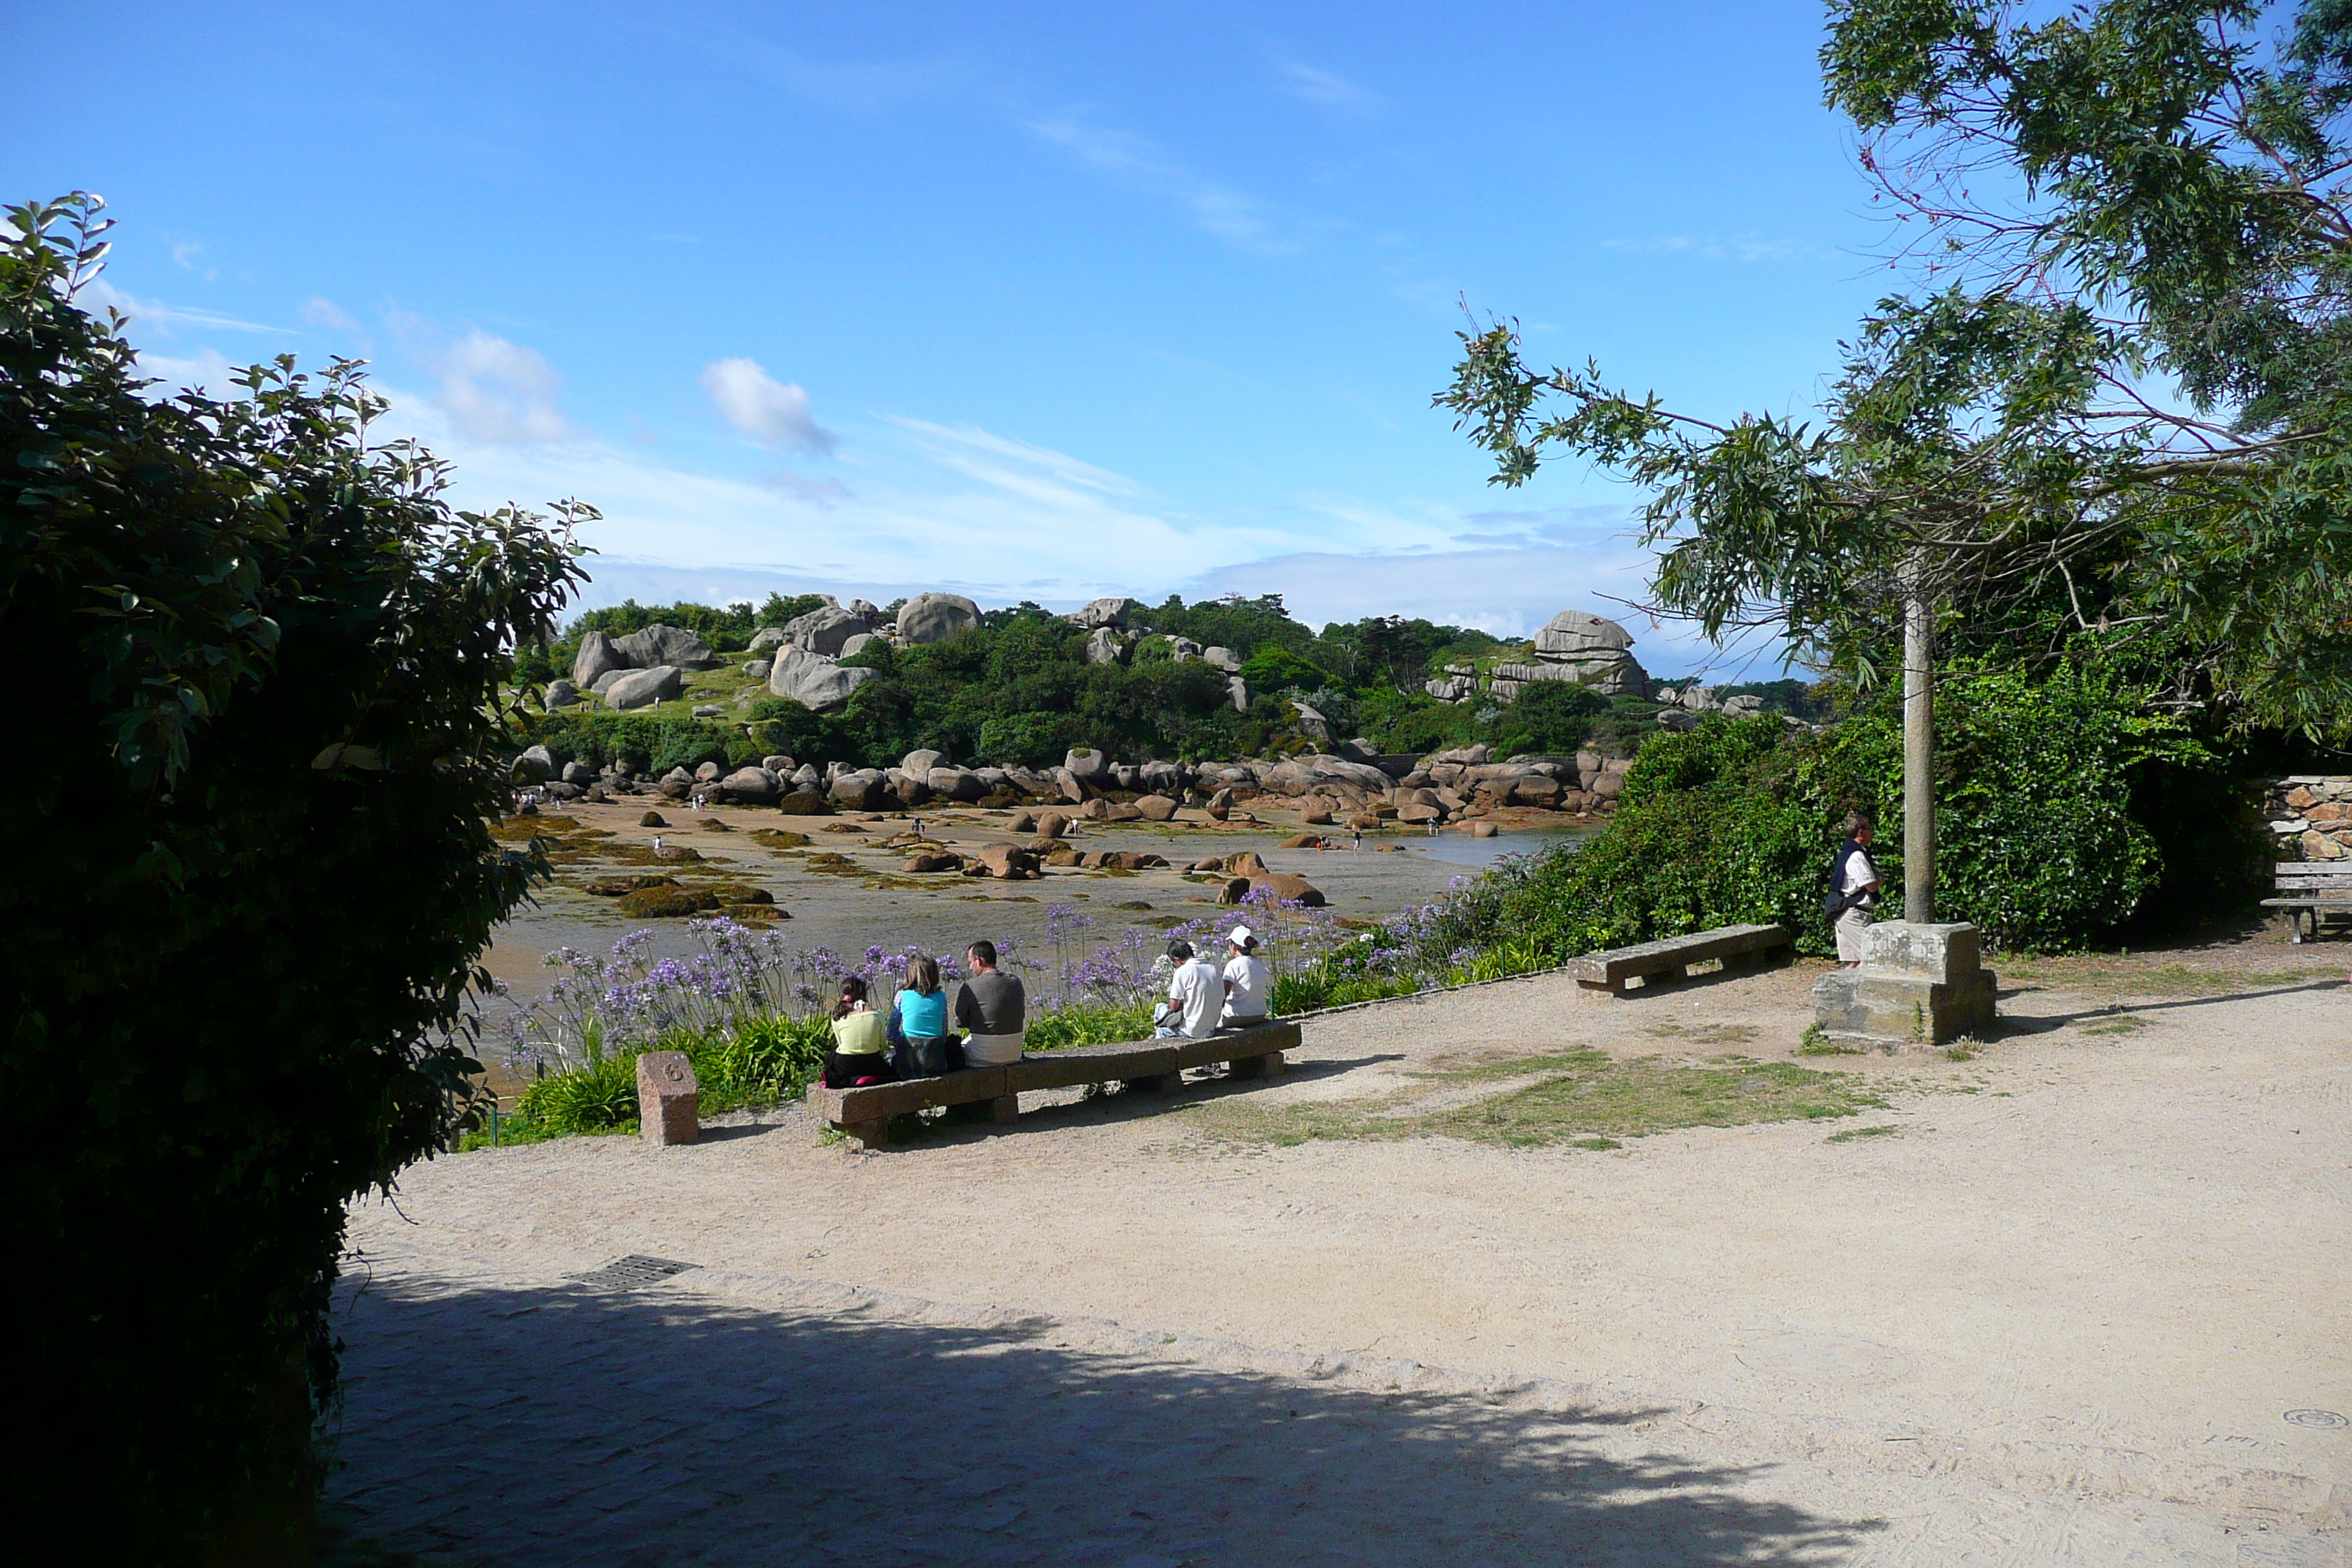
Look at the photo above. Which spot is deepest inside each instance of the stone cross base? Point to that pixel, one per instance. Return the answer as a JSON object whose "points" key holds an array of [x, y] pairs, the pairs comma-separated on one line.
{"points": [[667, 1098], [1919, 986]]}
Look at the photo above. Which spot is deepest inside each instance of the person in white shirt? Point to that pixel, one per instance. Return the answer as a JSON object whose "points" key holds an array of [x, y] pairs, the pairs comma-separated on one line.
{"points": [[1246, 982], [1196, 996], [1856, 880]]}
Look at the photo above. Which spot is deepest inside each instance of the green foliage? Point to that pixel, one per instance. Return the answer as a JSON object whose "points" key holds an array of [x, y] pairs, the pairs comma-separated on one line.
{"points": [[2123, 194], [767, 1061], [1552, 717], [2057, 824], [1088, 1024], [727, 628], [1274, 667], [248, 883], [599, 737], [1029, 739]]}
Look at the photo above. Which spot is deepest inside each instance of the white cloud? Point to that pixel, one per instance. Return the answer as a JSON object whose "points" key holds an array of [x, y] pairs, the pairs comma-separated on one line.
{"points": [[1326, 89], [500, 392], [1240, 220], [764, 408], [323, 312], [166, 320]]}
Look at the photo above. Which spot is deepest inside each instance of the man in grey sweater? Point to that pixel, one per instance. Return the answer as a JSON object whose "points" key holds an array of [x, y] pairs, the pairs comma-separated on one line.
{"points": [[989, 1010]]}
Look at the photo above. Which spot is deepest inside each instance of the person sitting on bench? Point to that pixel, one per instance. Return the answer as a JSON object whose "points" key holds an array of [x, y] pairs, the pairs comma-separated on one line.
{"points": [[920, 1011], [860, 1053], [989, 1010], [1196, 995], [1246, 982]]}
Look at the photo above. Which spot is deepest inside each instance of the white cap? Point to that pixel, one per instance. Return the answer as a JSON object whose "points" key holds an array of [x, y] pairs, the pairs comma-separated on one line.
{"points": [[1241, 936]]}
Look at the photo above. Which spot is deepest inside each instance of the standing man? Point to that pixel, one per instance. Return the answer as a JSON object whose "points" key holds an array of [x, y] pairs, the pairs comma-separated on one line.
{"points": [[989, 1009], [1853, 890]]}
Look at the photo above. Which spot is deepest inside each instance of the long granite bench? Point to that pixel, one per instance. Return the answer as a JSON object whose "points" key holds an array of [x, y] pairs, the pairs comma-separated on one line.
{"points": [[864, 1113], [1671, 958]]}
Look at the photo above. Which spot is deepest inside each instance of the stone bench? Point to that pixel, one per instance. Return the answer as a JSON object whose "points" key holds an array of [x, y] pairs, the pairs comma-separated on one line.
{"points": [[2317, 892], [864, 1113], [1673, 957]]}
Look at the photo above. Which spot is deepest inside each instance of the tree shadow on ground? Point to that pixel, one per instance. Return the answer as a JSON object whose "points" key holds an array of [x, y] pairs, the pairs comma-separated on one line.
{"points": [[2043, 1024], [562, 1424]]}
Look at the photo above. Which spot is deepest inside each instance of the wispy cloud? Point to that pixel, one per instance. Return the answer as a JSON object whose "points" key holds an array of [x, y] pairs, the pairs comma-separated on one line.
{"points": [[1324, 90], [764, 408], [1239, 219], [1714, 247], [862, 87], [168, 321]]}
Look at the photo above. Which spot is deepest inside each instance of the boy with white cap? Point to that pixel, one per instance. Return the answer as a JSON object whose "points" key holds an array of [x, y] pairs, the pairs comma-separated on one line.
{"points": [[1245, 982]]}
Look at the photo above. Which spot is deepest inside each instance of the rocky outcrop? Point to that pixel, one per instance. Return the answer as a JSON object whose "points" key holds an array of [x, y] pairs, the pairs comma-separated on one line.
{"points": [[856, 643], [1589, 649], [1222, 658], [935, 617], [535, 763], [595, 658], [1104, 646], [765, 638], [1088, 766], [643, 688], [1107, 612], [561, 694], [1238, 690], [824, 629], [658, 645], [812, 680]]}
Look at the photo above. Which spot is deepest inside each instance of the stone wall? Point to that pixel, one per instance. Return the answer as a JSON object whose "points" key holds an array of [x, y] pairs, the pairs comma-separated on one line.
{"points": [[2311, 816]]}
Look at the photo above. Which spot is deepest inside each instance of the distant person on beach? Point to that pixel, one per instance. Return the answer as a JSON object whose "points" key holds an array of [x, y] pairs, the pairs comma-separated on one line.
{"points": [[861, 1046], [1853, 890], [989, 1010], [1246, 982], [921, 1012], [1196, 996]]}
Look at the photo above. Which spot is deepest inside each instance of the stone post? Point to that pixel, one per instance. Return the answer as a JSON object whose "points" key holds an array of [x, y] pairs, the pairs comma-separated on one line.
{"points": [[666, 1099], [1919, 753]]}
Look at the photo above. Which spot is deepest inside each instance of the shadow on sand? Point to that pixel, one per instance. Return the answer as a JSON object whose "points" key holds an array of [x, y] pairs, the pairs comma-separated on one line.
{"points": [[564, 1424]]}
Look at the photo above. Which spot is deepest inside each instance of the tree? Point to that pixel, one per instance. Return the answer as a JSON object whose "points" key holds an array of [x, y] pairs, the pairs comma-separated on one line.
{"points": [[2116, 421], [250, 879]]}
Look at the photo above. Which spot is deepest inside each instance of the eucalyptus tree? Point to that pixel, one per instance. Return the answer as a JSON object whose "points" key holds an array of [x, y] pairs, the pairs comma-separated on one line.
{"points": [[2112, 413]]}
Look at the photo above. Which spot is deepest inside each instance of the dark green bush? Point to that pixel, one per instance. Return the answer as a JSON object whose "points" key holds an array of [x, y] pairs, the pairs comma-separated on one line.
{"points": [[2046, 792], [245, 898]]}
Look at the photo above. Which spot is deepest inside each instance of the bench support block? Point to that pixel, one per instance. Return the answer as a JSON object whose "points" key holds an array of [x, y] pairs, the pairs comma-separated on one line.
{"points": [[1004, 1107], [1919, 986], [1266, 1066], [874, 1134]]}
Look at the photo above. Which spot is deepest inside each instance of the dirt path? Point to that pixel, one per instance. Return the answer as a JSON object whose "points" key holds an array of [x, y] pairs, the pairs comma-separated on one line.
{"points": [[2086, 1302]]}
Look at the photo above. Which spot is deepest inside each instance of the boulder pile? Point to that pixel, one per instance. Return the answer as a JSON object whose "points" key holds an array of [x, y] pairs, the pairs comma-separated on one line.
{"points": [[1572, 646]]}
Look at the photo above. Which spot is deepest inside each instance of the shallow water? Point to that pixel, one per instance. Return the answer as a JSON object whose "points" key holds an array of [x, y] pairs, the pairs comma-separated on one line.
{"points": [[947, 912]]}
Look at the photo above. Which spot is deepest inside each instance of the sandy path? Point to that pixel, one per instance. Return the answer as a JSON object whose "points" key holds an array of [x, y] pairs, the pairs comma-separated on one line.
{"points": [[2060, 1316]]}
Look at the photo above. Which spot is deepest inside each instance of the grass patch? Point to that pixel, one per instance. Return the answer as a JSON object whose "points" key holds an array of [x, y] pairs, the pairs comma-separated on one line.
{"points": [[2126, 1025], [1962, 1051], [1856, 1134]]}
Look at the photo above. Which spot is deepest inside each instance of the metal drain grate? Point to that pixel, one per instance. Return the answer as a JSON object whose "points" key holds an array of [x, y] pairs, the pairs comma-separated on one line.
{"points": [[628, 1273]]}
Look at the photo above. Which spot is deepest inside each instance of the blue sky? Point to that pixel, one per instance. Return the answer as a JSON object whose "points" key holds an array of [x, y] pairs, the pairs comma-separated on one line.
{"points": [[1025, 301]]}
